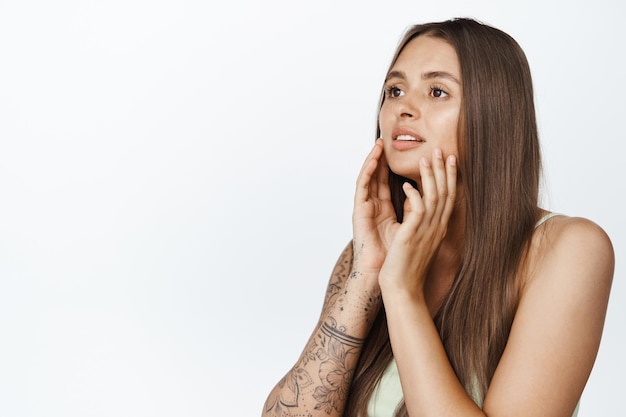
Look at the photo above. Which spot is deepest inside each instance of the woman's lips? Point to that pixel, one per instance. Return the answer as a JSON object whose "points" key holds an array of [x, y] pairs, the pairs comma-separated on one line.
{"points": [[403, 145], [403, 139]]}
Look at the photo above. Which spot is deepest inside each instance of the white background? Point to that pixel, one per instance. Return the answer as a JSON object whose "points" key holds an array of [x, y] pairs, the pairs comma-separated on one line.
{"points": [[176, 181]]}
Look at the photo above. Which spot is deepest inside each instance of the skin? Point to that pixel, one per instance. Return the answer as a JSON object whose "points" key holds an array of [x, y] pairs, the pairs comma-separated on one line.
{"points": [[422, 96], [410, 267]]}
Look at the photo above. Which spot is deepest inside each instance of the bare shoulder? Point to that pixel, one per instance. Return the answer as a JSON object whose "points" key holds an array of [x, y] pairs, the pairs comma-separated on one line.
{"points": [[572, 244], [558, 323], [577, 230]]}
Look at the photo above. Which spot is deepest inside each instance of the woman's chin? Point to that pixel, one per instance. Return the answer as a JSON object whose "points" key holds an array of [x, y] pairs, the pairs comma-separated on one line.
{"points": [[411, 173]]}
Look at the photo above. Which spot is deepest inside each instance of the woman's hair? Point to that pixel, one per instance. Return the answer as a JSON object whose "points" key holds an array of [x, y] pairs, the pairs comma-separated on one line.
{"points": [[499, 162]]}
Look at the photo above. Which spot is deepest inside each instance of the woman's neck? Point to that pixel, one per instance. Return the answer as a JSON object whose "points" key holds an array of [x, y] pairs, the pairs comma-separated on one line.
{"points": [[447, 260]]}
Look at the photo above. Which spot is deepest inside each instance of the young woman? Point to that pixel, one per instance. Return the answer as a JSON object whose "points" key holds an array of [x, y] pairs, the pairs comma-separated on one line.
{"points": [[458, 295]]}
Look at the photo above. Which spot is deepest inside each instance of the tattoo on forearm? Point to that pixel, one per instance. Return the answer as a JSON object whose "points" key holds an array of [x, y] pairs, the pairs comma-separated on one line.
{"points": [[357, 251], [373, 302], [368, 302], [332, 354], [355, 274], [341, 271], [285, 399], [343, 338], [338, 353]]}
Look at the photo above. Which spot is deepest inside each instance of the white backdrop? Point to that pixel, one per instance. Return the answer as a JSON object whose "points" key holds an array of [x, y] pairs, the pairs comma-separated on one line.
{"points": [[176, 181]]}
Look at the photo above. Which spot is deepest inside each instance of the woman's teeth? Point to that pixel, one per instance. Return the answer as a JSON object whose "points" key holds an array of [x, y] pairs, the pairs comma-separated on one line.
{"points": [[407, 137]]}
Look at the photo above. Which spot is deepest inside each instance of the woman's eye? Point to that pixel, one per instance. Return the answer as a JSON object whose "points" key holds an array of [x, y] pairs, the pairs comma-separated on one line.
{"points": [[394, 92], [438, 92]]}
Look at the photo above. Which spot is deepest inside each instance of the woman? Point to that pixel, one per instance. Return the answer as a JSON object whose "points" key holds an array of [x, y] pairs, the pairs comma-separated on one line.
{"points": [[457, 296]]}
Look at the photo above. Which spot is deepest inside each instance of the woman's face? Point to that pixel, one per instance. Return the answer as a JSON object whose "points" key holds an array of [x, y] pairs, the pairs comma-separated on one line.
{"points": [[422, 104]]}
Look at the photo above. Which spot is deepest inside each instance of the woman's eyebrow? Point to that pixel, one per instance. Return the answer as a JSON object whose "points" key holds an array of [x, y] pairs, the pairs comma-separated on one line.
{"points": [[425, 76], [439, 74], [395, 74]]}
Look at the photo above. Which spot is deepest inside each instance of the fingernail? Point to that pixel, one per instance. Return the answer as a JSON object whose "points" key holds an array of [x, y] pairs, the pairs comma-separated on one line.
{"points": [[438, 153], [452, 160], [425, 162]]}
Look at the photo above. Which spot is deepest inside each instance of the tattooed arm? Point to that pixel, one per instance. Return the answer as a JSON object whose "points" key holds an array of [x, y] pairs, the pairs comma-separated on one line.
{"points": [[319, 382]]}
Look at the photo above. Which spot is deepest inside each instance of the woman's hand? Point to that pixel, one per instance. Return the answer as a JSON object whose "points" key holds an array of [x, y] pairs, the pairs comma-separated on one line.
{"points": [[373, 220], [426, 216]]}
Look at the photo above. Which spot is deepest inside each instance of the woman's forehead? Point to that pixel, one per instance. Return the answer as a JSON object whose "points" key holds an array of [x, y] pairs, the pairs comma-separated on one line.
{"points": [[427, 54]]}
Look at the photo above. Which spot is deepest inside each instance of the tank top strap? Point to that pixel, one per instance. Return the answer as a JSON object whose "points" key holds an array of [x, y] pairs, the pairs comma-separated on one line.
{"points": [[546, 218]]}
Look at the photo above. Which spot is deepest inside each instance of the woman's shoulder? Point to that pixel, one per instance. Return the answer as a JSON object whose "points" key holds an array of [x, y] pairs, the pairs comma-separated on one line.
{"points": [[572, 233], [558, 322], [563, 245]]}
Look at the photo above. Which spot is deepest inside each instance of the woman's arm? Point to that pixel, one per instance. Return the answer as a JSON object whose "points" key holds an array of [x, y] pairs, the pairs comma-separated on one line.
{"points": [[319, 381], [553, 341], [557, 329]]}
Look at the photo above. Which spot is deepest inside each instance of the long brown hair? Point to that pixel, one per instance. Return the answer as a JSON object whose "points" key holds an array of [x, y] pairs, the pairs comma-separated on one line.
{"points": [[499, 161]]}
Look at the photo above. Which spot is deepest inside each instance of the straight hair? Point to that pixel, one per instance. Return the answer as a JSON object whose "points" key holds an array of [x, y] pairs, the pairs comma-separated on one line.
{"points": [[500, 164]]}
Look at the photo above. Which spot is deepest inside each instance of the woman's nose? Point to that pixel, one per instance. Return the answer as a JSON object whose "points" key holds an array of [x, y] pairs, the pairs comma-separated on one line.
{"points": [[406, 109]]}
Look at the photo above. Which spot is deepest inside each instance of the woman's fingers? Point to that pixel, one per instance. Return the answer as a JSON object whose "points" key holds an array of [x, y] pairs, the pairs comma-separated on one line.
{"points": [[413, 206], [441, 179], [438, 189], [382, 179], [451, 172], [364, 180], [430, 195]]}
